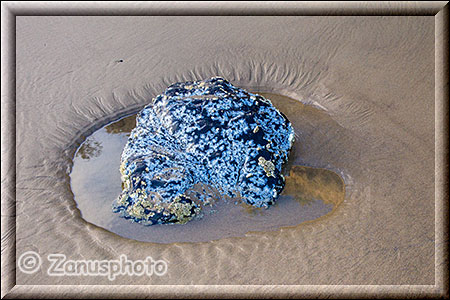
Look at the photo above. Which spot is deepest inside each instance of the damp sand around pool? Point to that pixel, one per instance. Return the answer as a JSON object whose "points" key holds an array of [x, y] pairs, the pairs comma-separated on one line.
{"points": [[373, 75], [310, 193]]}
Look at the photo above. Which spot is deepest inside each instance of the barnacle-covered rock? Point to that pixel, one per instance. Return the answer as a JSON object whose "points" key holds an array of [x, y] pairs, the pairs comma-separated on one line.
{"points": [[207, 132]]}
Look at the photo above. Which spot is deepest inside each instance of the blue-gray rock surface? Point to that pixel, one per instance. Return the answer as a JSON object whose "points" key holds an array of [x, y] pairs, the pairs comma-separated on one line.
{"points": [[208, 132]]}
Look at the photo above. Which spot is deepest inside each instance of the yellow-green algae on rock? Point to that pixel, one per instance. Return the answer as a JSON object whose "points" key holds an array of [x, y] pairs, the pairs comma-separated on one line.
{"points": [[207, 132]]}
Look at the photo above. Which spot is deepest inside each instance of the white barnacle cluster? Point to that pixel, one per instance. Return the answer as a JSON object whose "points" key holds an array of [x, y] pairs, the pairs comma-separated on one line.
{"points": [[207, 132]]}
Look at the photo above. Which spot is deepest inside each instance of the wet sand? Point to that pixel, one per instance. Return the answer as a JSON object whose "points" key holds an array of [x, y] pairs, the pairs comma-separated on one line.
{"points": [[373, 76]]}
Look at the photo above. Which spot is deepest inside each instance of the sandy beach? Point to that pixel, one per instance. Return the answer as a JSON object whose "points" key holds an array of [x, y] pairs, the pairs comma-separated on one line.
{"points": [[373, 77]]}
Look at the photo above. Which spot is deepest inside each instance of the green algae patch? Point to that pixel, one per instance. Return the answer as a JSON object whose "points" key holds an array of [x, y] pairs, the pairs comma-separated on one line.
{"points": [[306, 184]]}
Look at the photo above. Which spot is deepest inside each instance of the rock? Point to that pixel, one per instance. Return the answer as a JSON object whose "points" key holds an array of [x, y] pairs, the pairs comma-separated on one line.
{"points": [[207, 132]]}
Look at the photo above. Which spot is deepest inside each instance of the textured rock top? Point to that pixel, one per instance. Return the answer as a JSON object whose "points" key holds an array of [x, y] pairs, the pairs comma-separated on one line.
{"points": [[208, 132]]}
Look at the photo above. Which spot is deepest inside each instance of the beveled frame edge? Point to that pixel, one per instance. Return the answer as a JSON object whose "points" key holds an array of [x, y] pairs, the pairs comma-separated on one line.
{"points": [[10, 10]]}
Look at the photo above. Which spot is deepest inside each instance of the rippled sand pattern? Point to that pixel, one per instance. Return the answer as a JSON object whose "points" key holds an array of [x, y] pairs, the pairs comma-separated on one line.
{"points": [[372, 79]]}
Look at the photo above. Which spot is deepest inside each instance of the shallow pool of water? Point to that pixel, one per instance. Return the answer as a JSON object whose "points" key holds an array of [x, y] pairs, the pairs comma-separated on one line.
{"points": [[310, 193]]}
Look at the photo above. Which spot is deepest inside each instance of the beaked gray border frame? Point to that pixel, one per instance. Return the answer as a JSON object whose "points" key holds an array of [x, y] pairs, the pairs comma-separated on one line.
{"points": [[9, 11]]}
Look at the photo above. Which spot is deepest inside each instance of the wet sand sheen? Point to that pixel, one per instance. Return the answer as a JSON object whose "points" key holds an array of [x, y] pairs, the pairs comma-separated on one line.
{"points": [[374, 76], [310, 193]]}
